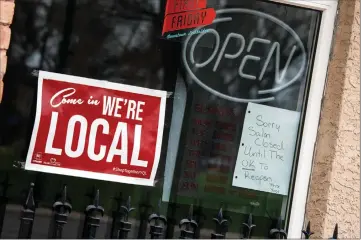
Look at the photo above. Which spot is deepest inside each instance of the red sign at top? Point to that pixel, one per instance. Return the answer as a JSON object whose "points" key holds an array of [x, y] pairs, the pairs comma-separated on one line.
{"points": [[185, 14], [177, 6], [96, 129]]}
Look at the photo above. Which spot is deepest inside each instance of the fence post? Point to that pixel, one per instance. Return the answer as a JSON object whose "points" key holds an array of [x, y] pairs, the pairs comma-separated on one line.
{"points": [[62, 209], [27, 215], [188, 226], [3, 200], [159, 221], [221, 224], [125, 225], [335, 232], [278, 232], [307, 232], [248, 226], [92, 218]]}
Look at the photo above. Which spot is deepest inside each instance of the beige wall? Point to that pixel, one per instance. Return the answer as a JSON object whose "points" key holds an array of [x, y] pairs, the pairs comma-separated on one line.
{"points": [[334, 195], [6, 16], [335, 182]]}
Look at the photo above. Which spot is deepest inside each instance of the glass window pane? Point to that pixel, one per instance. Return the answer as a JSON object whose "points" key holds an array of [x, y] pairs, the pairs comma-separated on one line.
{"points": [[262, 53]]}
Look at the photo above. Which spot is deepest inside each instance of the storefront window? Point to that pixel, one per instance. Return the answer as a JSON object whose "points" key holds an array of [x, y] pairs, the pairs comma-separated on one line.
{"points": [[262, 54], [237, 90]]}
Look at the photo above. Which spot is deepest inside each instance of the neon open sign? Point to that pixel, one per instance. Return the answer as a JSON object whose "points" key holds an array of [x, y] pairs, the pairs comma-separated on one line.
{"points": [[283, 76]]}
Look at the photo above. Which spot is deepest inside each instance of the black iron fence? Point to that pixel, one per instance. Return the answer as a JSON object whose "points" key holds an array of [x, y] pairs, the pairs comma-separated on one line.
{"points": [[121, 224]]}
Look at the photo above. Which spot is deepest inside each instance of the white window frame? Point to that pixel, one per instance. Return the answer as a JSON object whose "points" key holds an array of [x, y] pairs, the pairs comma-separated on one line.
{"points": [[311, 123]]}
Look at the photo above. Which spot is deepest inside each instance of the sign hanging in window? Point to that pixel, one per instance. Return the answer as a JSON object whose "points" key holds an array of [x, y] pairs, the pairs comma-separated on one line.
{"points": [[186, 14], [265, 155], [97, 129]]}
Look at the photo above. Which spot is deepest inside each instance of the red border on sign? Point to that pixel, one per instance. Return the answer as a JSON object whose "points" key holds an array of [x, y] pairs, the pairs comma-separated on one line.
{"points": [[34, 158], [186, 14]]}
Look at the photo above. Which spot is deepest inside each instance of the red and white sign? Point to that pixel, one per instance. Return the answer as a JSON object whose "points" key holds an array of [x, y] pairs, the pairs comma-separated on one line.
{"points": [[185, 14], [97, 129]]}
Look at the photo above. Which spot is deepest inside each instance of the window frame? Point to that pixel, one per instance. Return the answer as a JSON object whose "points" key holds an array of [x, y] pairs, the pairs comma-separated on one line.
{"points": [[308, 142]]}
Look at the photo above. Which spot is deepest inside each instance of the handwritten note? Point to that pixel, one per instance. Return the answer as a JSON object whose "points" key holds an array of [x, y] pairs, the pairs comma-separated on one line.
{"points": [[266, 151]]}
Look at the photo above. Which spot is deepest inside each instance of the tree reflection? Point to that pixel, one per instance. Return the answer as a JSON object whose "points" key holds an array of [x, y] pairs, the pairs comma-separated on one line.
{"points": [[110, 40]]}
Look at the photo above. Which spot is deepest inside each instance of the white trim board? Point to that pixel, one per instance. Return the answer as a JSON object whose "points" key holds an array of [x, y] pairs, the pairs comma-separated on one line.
{"points": [[311, 123]]}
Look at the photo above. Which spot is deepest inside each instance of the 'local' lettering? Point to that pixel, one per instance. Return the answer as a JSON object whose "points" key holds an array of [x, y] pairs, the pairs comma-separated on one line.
{"points": [[120, 133]]}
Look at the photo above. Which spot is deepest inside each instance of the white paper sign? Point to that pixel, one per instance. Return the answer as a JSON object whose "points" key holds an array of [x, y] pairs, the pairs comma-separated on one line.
{"points": [[266, 151]]}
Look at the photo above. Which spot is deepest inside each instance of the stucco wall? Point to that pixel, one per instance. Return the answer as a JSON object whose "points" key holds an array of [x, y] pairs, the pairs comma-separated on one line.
{"points": [[334, 195], [6, 16]]}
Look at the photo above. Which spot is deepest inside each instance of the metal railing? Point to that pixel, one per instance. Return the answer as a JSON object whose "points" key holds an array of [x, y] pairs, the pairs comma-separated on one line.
{"points": [[121, 224]]}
